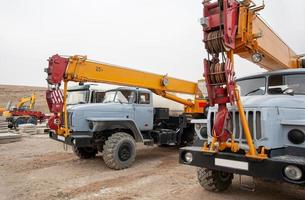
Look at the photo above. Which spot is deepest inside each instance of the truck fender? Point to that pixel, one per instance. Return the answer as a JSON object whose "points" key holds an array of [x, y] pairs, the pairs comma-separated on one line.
{"points": [[101, 124]]}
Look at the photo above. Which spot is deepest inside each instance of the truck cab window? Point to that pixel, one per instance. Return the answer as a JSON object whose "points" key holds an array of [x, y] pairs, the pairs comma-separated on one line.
{"points": [[277, 84], [78, 97], [130, 96], [119, 96], [144, 98], [125, 96], [253, 86], [99, 97]]}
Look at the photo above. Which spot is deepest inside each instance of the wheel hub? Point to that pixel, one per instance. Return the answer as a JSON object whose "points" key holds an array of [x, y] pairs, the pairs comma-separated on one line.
{"points": [[224, 176], [124, 152]]}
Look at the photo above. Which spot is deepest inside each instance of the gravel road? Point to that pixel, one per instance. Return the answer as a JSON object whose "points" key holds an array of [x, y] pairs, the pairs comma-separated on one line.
{"points": [[39, 168]]}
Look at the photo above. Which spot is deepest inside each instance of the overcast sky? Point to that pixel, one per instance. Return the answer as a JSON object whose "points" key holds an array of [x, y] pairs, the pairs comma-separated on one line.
{"points": [[161, 36]]}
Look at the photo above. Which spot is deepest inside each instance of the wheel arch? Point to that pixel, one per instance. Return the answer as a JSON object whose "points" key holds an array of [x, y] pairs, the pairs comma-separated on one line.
{"points": [[126, 125]]}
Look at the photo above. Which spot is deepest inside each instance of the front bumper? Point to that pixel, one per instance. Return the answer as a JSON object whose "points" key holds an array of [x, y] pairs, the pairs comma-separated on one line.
{"points": [[270, 169], [78, 140]]}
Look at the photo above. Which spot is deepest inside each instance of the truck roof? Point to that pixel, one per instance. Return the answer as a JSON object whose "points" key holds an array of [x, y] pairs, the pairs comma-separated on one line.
{"points": [[130, 88], [277, 72], [86, 87]]}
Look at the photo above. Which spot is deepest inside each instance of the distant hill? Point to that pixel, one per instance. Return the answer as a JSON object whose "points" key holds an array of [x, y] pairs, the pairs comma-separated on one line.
{"points": [[14, 92]]}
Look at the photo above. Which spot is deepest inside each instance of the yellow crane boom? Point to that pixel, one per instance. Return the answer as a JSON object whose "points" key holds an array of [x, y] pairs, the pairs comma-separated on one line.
{"points": [[82, 70], [258, 43]]}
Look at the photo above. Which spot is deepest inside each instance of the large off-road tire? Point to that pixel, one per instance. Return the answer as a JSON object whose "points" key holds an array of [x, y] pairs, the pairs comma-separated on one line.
{"points": [[19, 121], [85, 152], [32, 120], [215, 181], [119, 151]]}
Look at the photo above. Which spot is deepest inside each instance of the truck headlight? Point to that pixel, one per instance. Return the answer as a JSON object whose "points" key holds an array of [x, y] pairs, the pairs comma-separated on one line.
{"points": [[293, 173], [204, 132], [201, 129], [198, 126], [188, 157], [257, 57], [296, 136]]}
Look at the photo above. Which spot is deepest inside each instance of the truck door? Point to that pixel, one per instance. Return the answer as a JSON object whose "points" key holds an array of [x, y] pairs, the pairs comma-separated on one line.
{"points": [[144, 113]]}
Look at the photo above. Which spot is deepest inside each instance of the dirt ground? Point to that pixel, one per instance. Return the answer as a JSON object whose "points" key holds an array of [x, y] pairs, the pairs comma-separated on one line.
{"points": [[39, 168]]}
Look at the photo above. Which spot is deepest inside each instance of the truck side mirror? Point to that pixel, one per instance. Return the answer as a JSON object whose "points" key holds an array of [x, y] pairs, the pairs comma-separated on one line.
{"points": [[288, 91]]}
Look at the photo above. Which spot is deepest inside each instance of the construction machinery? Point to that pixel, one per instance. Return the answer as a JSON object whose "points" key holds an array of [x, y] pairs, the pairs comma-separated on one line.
{"points": [[265, 136], [26, 103], [126, 115], [23, 112]]}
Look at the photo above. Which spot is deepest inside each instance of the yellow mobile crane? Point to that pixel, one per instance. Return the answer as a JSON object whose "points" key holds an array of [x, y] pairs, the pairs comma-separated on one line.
{"points": [[127, 114], [254, 140]]}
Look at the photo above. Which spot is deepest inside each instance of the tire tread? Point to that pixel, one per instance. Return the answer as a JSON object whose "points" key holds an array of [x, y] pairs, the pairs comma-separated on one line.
{"points": [[209, 180], [109, 149]]}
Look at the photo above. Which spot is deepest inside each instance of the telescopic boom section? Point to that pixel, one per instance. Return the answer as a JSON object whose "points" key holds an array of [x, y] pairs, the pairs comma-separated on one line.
{"points": [[79, 69], [241, 29], [258, 43]]}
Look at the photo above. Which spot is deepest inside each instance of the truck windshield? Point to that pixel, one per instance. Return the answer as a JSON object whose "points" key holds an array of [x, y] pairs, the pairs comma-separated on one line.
{"points": [[120, 96], [77, 97], [254, 86], [279, 84]]}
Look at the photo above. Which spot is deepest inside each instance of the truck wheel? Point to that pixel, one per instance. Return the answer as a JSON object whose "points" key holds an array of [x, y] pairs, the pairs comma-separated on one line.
{"points": [[32, 120], [119, 151], [19, 121], [215, 181], [85, 152]]}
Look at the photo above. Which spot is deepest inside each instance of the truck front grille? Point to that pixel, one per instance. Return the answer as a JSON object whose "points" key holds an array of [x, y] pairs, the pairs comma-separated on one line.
{"points": [[254, 122]]}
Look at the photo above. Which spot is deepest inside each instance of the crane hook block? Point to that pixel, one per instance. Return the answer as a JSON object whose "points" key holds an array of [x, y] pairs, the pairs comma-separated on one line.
{"points": [[221, 16]]}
